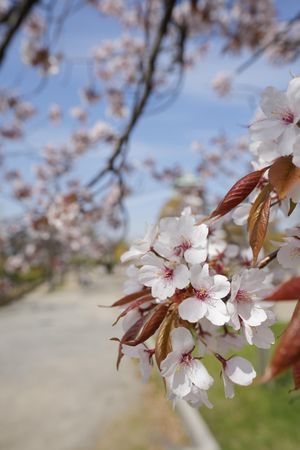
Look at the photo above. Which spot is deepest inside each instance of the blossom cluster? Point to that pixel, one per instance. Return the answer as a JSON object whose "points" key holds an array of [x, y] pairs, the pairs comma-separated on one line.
{"points": [[275, 131], [205, 309]]}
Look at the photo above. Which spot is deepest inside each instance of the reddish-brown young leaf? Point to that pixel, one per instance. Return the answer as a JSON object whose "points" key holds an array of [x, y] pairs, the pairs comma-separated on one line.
{"points": [[238, 193], [296, 374], [290, 290], [129, 298], [287, 352], [133, 305], [284, 175], [258, 222], [152, 323], [163, 341]]}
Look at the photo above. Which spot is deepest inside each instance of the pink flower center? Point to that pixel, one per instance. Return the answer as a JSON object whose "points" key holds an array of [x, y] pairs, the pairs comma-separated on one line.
{"points": [[202, 294], [168, 273], [287, 117], [186, 359], [243, 296], [180, 249]]}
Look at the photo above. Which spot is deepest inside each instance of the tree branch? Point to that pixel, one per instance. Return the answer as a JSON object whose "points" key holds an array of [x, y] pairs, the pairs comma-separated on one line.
{"points": [[146, 92], [16, 17], [261, 50], [265, 261]]}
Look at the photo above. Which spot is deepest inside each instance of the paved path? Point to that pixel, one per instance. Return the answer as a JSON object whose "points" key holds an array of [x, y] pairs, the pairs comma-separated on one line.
{"points": [[59, 389]]}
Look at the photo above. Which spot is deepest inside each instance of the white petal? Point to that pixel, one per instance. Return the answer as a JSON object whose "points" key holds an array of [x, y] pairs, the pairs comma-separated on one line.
{"points": [[198, 397], [182, 340], [150, 259], [181, 276], [217, 312], [131, 254], [199, 375], [251, 314], [273, 100], [296, 161], [248, 333], [162, 288], [169, 365], [285, 256], [228, 386], [240, 371], [192, 309], [263, 337], [221, 286], [181, 384], [241, 213], [266, 130], [199, 235], [163, 249], [195, 255], [200, 277]]}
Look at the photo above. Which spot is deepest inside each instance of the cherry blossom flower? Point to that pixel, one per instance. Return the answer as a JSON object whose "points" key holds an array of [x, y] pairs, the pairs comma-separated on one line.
{"points": [[35, 25], [279, 118], [236, 370], [222, 84], [144, 355], [78, 113], [37, 56], [141, 246], [181, 370], [265, 151], [55, 114], [101, 130], [24, 111], [197, 398], [164, 277], [212, 339], [90, 94], [217, 242], [180, 237], [11, 131], [248, 288], [261, 336], [289, 253], [206, 300]]}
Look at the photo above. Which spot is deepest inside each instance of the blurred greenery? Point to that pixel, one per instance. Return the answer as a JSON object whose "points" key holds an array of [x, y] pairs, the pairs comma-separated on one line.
{"points": [[21, 282], [262, 417]]}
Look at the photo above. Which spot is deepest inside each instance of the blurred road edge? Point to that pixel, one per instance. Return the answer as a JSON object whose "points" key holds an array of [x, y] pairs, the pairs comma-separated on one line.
{"points": [[196, 428]]}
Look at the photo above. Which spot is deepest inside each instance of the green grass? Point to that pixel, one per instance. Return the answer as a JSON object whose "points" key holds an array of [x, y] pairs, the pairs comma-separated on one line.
{"points": [[259, 417]]}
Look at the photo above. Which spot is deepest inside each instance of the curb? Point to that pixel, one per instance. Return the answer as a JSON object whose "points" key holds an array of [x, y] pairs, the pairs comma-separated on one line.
{"points": [[196, 428]]}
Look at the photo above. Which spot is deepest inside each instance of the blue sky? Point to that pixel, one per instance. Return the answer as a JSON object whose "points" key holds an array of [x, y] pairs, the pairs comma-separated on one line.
{"points": [[196, 114]]}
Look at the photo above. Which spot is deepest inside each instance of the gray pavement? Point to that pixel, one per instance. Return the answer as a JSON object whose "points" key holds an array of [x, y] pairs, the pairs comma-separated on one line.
{"points": [[59, 389]]}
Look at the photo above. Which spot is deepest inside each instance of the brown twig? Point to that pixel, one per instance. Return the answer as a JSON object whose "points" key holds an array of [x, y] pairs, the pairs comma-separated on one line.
{"points": [[146, 93], [261, 50], [265, 261], [15, 19]]}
